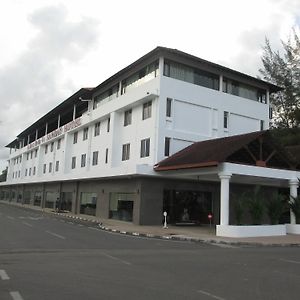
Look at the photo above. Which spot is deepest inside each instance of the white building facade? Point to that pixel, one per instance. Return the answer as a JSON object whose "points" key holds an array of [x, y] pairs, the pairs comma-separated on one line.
{"points": [[95, 152]]}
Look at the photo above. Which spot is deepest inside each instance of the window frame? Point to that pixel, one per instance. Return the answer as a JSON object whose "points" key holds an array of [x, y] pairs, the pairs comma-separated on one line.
{"points": [[147, 110], [125, 151], [145, 148]]}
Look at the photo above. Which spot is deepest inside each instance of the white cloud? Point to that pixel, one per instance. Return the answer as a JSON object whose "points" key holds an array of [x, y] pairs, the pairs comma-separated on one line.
{"points": [[32, 84]]}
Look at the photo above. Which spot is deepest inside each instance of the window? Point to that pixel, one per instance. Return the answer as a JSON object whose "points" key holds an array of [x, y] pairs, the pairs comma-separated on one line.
{"points": [[147, 110], [50, 167], [262, 123], [51, 147], [146, 74], [127, 117], [226, 117], [125, 152], [58, 144], [57, 166], [21, 157], [27, 156], [73, 166], [108, 124], [244, 90], [46, 149], [75, 137], [121, 206], [83, 160], [169, 107], [95, 158], [145, 148], [191, 75], [108, 95], [44, 168], [29, 174], [270, 114], [19, 174], [97, 129], [88, 203], [34, 170], [85, 133], [106, 155], [35, 153], [31, 154], [167, 146]]}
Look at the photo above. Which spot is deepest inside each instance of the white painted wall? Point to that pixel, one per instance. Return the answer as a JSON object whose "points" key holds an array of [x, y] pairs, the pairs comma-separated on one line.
{"points": [[197, 114]]}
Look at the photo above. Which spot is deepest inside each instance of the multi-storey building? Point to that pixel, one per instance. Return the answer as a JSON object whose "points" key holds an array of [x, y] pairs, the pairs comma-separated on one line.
{"points": [[95, 152]]}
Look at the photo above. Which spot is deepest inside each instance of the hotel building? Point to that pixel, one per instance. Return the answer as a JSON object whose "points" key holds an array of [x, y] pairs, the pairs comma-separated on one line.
{"points": [[126, 149]]}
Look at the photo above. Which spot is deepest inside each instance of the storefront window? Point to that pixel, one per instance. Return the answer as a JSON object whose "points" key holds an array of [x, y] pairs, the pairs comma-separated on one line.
{"points": [[51, 199], [37, 200], [66, 201], [187, 206], [27, 197], [121, 206], [88, 203]]}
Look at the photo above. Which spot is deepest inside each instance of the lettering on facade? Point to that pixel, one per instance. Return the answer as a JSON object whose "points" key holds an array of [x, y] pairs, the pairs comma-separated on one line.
{"points": [[55, 133]]}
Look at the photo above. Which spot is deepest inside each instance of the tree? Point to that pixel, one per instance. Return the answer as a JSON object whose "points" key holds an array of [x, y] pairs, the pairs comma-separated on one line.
{"points": [[284, 70]]}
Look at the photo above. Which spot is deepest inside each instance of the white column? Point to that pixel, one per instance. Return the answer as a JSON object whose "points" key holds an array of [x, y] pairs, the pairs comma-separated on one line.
{"points": [[74, 111], [294, 183], [58, 121], [221, 83], [224, 198]]}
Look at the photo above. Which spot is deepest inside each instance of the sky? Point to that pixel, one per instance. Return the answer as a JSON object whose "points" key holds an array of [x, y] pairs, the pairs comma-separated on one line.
{"points": [[49, 49]]}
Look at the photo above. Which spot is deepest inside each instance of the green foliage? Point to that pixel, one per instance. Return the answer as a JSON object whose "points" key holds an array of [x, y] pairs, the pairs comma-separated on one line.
{"points": [[256, 206], [275, 207], [287, 136], [295, 207], [239, 207], [284, 70]]}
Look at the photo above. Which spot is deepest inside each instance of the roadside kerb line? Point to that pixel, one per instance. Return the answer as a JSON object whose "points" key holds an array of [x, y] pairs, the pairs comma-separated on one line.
{"points": [[56, 235], [3, 275], [16, 295]]}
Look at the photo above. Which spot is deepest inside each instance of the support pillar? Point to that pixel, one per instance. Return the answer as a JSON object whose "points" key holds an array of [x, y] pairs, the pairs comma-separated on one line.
{"points": [[224, 198], [293, 183]]}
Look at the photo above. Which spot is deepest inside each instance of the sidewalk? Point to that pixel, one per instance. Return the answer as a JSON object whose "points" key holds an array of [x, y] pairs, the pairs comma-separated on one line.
{"points": [[204, 234]]}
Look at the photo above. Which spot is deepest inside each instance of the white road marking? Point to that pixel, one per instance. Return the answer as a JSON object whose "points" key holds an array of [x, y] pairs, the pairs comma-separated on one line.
{"points": [[3, 275], [9, 217], [27, 224], [224, 245], [56, 235], [210, 295], [94, 228], [290, 261], [116, 258], [16, 295]]}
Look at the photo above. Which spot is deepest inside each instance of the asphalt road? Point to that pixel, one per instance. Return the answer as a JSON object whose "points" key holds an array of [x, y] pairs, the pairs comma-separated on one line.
{"points": [[47, 257]]}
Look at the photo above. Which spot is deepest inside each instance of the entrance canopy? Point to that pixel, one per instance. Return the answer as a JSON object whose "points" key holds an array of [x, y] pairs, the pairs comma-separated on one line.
{"points": [[253, 158]]}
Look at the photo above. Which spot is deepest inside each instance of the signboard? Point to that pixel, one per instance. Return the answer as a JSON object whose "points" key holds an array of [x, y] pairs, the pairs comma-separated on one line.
{"points": [[55, 133]]}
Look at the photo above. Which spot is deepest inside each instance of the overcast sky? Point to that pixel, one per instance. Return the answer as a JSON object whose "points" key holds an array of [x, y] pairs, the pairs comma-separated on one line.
{"points": [[49, 48]]}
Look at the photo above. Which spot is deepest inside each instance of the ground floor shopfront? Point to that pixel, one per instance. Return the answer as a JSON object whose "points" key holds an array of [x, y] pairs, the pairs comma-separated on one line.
{"points": [[188, 200], [141, 200]]}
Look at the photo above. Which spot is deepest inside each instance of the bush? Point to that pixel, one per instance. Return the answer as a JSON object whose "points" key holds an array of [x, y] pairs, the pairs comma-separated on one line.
{"points": [[294, 204], [275, 208], [239, 207], [256, 206]]}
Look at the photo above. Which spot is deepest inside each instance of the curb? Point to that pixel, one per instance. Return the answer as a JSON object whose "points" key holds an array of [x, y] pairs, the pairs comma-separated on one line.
{"points": [[100, 226]]}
